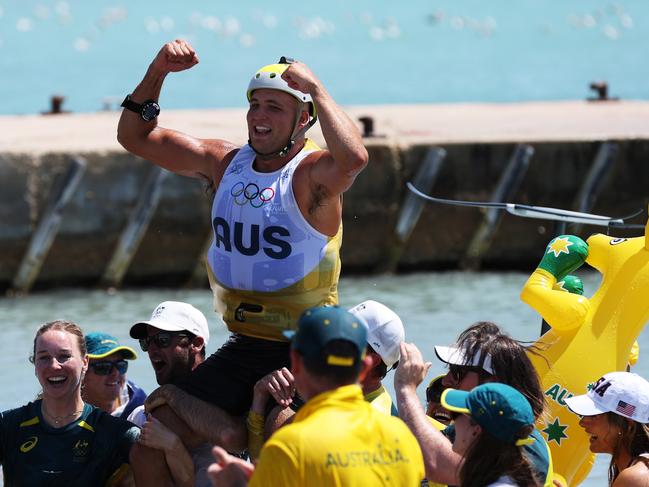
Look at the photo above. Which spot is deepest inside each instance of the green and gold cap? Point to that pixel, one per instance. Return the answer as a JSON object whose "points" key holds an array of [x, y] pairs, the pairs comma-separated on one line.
{"points": [[500, 409], [100, 345], [320, 326]]}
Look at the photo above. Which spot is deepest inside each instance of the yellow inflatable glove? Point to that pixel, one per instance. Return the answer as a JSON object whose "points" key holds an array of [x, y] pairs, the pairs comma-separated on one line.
{"points": [[589, 337]]}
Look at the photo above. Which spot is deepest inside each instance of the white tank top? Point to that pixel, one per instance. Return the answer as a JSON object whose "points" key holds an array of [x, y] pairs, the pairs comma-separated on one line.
{"points": [[268, 263]]}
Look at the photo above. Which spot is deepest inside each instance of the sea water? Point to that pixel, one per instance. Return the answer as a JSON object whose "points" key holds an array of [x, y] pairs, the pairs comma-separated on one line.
{"points": [[365, 51], [435, 308]]}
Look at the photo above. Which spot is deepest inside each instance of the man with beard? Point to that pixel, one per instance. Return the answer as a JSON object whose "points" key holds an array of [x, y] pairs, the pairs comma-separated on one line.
{"points": [[175, 338]]}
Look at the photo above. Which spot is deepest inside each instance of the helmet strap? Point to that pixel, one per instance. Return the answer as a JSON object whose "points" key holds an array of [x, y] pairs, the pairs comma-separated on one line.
{"points": [[280, 153]]}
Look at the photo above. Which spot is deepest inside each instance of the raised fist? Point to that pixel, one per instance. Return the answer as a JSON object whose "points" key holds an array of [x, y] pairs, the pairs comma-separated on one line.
{"points": [[299, 77], [175, 56], [563, 255]]}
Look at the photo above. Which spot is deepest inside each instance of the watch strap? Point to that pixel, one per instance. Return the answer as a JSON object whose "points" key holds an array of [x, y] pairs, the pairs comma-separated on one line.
{"points": [[129, 104], [142, 109]]}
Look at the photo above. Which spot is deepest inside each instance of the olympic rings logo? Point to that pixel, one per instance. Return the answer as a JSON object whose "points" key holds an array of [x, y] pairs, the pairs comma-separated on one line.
{"points": [[251, 193]]}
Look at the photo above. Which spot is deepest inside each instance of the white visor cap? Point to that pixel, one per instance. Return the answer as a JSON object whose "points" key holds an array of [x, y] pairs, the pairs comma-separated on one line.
{"points": [[456, 356]]}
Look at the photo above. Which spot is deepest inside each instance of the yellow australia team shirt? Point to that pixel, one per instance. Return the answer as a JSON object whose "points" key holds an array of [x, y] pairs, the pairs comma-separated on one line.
{"points": [[338, 439], [381, 401]]}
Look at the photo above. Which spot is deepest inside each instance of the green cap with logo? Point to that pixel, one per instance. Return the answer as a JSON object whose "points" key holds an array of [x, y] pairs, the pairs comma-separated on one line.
{"points": [[100, 345], [319, 326], [498, 408]]}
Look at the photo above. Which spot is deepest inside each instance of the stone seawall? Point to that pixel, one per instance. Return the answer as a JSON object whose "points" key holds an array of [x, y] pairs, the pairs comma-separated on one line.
{"points": [[171, 249]]}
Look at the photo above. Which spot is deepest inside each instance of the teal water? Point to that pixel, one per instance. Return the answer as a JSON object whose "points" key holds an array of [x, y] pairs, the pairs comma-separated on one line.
{"points": [[366, 51], [434, 308]]}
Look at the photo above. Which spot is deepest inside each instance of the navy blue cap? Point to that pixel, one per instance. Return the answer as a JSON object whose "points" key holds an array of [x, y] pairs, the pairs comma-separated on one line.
{"points": [[319, 326]]}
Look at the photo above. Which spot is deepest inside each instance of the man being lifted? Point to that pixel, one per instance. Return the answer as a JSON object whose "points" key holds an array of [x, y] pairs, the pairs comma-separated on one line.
{"points": [[276, 219]]}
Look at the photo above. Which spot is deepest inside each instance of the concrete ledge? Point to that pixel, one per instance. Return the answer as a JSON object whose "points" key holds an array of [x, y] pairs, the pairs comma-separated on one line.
{"points": [[459, 123], [479, 140]]}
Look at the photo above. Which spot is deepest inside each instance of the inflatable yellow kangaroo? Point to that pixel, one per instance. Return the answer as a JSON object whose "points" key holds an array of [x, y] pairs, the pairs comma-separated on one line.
{"points": [[589, 337]]}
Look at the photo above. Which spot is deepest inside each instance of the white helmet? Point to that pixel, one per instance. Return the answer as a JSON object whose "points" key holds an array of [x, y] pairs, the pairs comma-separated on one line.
{"points": [[270, 77]]}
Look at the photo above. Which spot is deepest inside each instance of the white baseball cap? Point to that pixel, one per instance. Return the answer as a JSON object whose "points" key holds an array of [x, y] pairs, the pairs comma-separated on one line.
{"points": [[623, 393], [174, 316], [456, 356], [385, 330]]}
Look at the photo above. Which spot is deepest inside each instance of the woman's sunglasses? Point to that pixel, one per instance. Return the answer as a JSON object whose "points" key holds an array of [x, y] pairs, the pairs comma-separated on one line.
{"points": [[162, 339], [105, 367], [458, 372]]}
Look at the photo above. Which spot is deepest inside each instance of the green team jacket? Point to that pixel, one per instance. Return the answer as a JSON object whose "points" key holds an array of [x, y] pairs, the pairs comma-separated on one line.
{"points": [[86, 452]]}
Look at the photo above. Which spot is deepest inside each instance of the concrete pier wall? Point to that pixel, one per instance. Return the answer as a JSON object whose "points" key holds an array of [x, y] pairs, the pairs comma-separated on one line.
{"points": [[172, 247], [553, 179]]}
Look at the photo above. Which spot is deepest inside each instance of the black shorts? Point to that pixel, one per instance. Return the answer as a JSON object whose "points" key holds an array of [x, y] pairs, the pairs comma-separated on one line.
{"points": [[227, 378]]}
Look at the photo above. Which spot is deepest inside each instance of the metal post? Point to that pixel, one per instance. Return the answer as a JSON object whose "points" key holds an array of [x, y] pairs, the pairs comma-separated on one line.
{"points": [[135, 229], [412, 207], [595, 181], [48, 226], [509, 183]]}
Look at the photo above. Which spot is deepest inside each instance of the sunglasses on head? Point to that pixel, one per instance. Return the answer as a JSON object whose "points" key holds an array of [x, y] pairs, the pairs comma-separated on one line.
{"points": [[162, 339], [105, 367], [460, 371]]}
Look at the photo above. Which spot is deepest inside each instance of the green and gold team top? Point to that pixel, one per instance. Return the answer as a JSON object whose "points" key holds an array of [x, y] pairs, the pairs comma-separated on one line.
{"points": [[339, 439], [86, 452], [381, 401]]}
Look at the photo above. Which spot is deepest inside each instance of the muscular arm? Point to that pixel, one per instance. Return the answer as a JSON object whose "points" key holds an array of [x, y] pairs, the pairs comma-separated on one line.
{"points": [[209, 422], [346, 155], [441, 462], [170, 149], [279, 384]]}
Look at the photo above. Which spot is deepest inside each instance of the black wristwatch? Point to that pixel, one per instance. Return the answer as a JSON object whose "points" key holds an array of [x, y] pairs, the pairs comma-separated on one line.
{"points": [[148, 110]]}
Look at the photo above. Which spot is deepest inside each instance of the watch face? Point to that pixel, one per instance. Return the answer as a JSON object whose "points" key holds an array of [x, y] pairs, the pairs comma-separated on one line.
{"points": [[150, 110]]}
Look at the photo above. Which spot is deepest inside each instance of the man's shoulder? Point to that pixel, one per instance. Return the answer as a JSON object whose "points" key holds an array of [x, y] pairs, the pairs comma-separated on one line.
{"points": [[220, 147], [381, 400], [222, 154], [313, 156]]}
